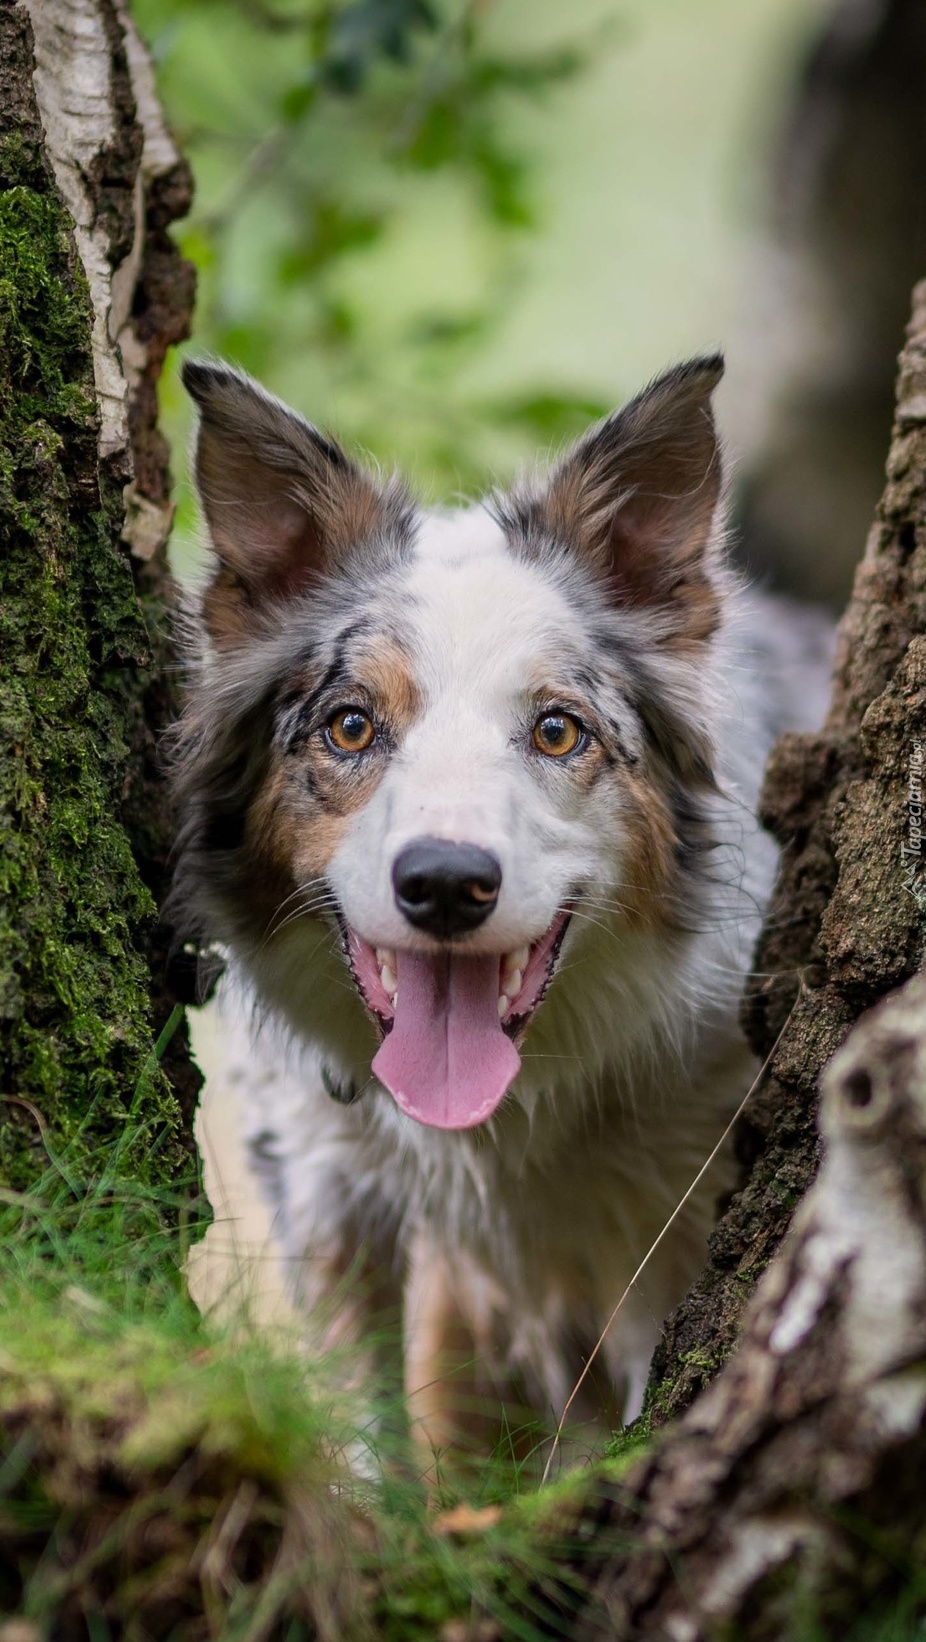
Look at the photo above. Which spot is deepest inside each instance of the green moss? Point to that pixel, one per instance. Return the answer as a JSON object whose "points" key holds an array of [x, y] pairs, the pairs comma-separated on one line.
{"points": [[171, 1385], [625, 1447], [669, 1397], [74, 983]]}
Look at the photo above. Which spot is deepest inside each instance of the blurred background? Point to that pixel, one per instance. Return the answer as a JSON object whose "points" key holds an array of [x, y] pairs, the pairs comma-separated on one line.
{"points": [[455, 231]]}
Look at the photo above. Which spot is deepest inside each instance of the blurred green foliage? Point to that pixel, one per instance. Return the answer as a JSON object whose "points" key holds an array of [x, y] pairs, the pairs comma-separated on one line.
{"points": [[362, 217]]}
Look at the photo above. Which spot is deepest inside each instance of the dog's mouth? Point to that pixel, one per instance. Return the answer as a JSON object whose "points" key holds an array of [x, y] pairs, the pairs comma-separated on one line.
{"points": [[451, 1021]]}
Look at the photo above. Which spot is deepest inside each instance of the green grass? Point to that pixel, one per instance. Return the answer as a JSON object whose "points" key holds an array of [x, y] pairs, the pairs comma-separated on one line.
{"points": [[164, 1478]]}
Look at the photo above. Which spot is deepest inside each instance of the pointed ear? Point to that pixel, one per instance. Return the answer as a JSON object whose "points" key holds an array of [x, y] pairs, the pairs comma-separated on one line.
{"points": [[281, 501], [638, 500]]}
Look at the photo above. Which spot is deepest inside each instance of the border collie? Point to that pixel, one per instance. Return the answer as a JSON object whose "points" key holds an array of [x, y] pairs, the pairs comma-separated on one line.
{"points": [[467, 801]]}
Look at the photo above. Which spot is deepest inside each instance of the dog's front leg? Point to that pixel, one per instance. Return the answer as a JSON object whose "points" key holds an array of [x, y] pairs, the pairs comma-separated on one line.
{"points": [[441, 1353], [350, 1301]]}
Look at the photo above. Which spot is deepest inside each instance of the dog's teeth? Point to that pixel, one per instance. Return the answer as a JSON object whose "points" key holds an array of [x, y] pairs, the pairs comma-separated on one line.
{"points": [[512, 971], [504, 1004], [388, 977], [385, 955]]}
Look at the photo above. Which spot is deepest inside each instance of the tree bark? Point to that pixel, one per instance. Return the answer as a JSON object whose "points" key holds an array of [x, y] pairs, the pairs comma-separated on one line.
{"points": [[847, 921], [792, 1491], [92, 292]]}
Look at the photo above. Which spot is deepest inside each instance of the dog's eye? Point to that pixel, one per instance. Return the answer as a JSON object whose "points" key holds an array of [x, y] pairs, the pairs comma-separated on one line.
{"points": [[351, 730], [556, 734]]}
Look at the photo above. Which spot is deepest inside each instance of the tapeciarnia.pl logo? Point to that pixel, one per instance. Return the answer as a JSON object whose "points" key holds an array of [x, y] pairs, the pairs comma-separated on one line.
{"points": [[912, 850]]}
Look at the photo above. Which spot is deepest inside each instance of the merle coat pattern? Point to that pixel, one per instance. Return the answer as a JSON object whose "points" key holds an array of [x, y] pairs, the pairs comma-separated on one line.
{"points": [[478, 1091]]}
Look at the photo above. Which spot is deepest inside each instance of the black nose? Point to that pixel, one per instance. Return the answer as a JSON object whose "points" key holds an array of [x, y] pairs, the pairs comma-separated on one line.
{"points": [[443, 888]]}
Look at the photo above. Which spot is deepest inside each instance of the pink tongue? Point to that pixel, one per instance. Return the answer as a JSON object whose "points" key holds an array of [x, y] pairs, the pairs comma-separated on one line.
{"points": [[447, 1061]]}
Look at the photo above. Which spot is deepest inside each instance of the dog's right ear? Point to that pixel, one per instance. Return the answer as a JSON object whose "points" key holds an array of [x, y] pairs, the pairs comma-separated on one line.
{"points": [[281, 501]]}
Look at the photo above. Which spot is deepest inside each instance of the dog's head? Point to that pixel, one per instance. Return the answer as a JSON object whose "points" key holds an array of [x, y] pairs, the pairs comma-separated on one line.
{"points": [[449, 738]]}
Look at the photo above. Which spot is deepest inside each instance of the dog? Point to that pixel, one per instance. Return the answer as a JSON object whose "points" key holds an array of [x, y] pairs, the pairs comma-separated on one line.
{"points": [[467, 800]]}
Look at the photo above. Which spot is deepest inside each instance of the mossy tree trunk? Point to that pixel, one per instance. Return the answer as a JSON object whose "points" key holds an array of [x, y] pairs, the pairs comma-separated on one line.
{"points": [[92, 292]]}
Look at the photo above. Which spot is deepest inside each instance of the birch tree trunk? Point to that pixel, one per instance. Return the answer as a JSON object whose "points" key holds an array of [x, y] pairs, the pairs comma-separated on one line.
{"points": [[92, 292]]}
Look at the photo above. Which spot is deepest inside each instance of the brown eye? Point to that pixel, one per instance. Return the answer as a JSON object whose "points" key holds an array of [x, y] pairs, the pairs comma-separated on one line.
{"points": [[556, 734], [350, 731]]}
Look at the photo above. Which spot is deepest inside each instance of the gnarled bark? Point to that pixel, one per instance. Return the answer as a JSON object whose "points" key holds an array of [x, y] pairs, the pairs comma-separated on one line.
{"points": [[794, 1485], [848, 918]]}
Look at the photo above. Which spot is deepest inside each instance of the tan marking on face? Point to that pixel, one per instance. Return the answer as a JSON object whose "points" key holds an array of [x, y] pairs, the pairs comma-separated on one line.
{"points": [[649, 869], [298, 819], [584, 768], [271, 879], [644, 813], [291, 833], [387, 672]]}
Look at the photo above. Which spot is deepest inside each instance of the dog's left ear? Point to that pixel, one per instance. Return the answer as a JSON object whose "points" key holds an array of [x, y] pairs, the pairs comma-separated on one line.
{"points": [[282, 502], [638, 500]]}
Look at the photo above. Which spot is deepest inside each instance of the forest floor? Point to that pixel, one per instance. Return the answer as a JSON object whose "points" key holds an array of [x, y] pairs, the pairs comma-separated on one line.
{"points": [[167, 1476]]}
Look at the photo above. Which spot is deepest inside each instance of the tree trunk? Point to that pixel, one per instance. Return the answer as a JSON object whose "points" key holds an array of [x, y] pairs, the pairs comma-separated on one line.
{"points": [[789, 1500], [848, 918], [92, 292]]}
